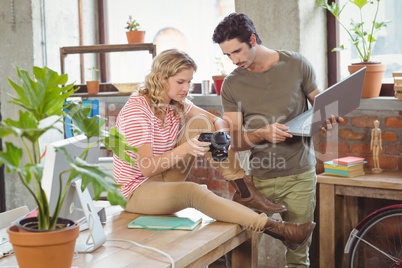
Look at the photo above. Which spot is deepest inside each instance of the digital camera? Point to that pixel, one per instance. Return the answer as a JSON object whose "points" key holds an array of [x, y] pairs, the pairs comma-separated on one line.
{"points": [[220, 142]]}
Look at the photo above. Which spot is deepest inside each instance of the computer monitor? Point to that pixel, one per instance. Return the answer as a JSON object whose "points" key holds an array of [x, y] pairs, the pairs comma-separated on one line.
{"points": [[77, 204]]}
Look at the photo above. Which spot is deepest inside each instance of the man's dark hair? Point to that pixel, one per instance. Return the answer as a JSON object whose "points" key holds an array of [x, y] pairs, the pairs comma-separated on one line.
{"points": [[235, 25]]}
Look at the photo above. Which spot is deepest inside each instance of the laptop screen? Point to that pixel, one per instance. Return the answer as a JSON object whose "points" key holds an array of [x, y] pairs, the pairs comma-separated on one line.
{"points": [[338, 100]]}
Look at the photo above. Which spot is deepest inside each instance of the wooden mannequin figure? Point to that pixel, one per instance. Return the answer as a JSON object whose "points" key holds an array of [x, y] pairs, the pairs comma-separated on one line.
{"points": [[376, 146]]}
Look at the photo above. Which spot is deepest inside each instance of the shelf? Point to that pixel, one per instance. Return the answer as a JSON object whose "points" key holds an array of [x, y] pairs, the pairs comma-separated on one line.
{"points": [[101, 95], [102, 48], [381, 103], [105, 90], [108, 48], [210, 100]]}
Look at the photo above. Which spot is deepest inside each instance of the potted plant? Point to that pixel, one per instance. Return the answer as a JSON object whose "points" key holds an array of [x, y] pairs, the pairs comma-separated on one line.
{"points": [[363, 42], [42, 99], [134, 35], [93, 85], [218, 79]]}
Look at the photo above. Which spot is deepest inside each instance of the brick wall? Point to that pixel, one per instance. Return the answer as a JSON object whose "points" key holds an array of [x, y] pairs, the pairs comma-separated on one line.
{"points": [[353, 139], [203, 173]]}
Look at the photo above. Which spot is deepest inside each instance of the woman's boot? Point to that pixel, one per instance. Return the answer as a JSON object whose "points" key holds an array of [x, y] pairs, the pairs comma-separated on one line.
{"points": [[291, 234], [247, 195]]}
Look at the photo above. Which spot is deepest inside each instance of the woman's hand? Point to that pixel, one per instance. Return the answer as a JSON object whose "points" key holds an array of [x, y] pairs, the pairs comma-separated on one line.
{"points": [[195, 147]]}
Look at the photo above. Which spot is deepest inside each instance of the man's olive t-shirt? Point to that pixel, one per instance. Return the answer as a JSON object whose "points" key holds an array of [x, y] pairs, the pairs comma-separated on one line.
{"points": [[274, 96]]}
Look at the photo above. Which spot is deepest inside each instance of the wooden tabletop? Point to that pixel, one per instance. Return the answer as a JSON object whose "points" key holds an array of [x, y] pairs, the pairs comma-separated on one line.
{"points": [[198, 248], [385, 180]]}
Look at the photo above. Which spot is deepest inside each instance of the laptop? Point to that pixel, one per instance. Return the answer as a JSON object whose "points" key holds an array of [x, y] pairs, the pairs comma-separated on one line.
{"points": [[337, 100]]}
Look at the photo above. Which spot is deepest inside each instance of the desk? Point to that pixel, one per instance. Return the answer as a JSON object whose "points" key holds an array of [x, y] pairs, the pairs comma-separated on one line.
{"points": [[339, 208], [197, 248]]}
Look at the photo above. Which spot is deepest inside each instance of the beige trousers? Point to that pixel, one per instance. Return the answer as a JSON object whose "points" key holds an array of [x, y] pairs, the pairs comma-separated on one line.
{"points": [[168, 192]]}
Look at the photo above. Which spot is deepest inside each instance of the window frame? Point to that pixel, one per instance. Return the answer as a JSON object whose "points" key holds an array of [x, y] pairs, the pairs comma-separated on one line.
{"points": [[334, 72]]}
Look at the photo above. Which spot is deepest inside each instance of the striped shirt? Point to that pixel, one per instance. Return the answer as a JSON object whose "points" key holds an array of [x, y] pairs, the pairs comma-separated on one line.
{"points": [[137, 122]]}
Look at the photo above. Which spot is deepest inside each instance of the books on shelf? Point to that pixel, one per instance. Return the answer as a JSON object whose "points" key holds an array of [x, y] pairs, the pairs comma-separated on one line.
{"points": [[164, 223], [344, 173], [348, 160], [398, 84], [345, 167], [332, 165]]}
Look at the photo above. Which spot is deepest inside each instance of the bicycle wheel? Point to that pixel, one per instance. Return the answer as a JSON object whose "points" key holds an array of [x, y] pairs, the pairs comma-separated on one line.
{"points": [[379, 242]]}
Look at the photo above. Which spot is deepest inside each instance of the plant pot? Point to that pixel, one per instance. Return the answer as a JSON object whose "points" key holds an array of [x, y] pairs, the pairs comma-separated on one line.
{"points": [[93, 87], [373, 80], [135, 37], [44, 249], [218, 81]]}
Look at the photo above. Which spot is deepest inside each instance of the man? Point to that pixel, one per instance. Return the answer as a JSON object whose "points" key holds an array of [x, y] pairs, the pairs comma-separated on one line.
{"points": [[269, 88]]}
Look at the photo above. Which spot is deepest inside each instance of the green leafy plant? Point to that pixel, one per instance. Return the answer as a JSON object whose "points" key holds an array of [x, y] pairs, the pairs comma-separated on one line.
{"points": [[362, 40], [132, 25], [41, 98], [93, 72], [220, 65]]}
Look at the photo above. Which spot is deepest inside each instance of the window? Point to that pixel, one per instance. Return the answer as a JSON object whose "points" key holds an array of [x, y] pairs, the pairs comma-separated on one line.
{"points": [[387, 48], [182, 24]]}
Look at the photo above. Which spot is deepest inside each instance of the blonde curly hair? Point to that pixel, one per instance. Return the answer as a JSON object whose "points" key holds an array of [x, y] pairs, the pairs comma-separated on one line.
{"points": [[167, 64]]}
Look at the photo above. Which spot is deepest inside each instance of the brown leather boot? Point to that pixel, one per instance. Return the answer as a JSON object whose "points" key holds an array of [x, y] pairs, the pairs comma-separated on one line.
{"points": [[291, 234], [247, 195]]}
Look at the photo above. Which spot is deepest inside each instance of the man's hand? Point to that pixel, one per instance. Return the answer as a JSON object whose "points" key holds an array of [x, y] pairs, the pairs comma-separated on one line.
{"points": [[274, 133], [329, 123]]}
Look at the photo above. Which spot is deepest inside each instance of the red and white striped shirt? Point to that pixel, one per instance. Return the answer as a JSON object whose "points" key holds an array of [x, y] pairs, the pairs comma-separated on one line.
{"points": [[137, 122]]}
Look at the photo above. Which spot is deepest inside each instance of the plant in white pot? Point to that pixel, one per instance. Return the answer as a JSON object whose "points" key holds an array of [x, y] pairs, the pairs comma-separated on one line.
{"points": [[43, 99], [362, 34], [134, 34]]}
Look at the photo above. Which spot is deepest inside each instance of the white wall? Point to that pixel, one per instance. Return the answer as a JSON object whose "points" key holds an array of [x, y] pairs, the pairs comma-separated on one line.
{"points": [[296, 25], [32, 31]]}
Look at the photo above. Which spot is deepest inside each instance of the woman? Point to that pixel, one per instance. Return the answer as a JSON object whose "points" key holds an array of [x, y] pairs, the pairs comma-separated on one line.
{"points": [[164, 126]]}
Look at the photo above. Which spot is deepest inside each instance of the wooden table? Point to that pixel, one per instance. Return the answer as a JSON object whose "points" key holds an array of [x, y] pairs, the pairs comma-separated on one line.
{"points": [[197, 248], [338, 208]]}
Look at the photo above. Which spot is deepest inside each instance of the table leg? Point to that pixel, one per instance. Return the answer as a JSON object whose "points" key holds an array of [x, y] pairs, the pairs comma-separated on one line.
{"points": [[246, 254], [350, 220], [327, 225]]}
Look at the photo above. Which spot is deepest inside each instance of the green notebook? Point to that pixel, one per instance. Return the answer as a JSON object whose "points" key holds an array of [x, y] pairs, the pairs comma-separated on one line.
{"points": [[164, 223]]}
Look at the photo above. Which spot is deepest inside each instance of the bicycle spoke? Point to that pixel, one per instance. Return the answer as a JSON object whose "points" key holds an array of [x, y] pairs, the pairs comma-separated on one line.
{"points": [[394, 259], [378, 243]]}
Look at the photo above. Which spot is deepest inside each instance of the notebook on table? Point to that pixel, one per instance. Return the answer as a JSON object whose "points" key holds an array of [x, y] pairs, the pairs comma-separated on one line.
{"points": [[349, 160], [337, 100], [164, 223]]}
